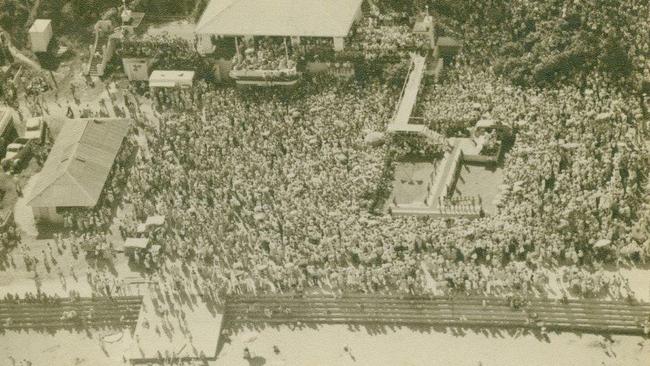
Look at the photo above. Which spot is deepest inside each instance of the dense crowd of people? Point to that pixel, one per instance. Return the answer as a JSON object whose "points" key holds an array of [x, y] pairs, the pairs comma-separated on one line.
{"points": [[268, 191], [265, 54], [377, 40], [271, 190]]}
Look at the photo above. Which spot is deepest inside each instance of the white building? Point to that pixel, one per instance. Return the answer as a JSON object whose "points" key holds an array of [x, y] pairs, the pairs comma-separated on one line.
{"points": [[40, 34], [278, 18], [77, 167]]}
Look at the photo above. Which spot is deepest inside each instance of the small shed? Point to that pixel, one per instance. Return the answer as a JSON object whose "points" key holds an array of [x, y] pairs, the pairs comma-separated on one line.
{"points": [[40, 34], [171, 79]]}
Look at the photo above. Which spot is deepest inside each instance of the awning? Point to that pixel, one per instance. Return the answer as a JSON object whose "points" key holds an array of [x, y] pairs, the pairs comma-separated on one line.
{"points": [[155, 220], [485, 123], [162, 84], [136, 243], [602, 243]]}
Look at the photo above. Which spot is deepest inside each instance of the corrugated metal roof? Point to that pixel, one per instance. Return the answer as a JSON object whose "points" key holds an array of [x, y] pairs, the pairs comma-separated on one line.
{"points": [[309, 18], [78, 165]]}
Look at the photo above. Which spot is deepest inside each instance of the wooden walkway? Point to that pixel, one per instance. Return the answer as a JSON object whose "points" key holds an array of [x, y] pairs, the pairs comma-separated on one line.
{"points": [[99, 312], [585, 316]]}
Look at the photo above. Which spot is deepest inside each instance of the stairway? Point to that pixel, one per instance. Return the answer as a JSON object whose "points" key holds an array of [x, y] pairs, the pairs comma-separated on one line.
{"points": [[589, 316], [95, 62], [99, 312]]}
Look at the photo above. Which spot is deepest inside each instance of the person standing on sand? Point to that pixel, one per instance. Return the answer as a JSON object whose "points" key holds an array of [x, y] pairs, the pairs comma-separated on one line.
{"points": [[348, 350]]}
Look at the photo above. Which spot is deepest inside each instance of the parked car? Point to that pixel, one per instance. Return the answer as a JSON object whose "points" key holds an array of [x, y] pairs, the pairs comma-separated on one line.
{"points": [[36, 129], [18, 153]]}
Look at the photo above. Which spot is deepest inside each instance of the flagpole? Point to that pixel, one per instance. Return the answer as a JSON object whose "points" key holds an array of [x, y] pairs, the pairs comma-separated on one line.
{"points": [[286, 50]]}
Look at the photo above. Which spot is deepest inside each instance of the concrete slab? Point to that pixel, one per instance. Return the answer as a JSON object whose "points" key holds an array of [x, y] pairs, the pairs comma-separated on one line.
{"points": [[187, 335]]}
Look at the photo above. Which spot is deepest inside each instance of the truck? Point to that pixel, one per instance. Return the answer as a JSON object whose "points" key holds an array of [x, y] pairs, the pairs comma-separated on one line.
{"points": [[18, 154]]}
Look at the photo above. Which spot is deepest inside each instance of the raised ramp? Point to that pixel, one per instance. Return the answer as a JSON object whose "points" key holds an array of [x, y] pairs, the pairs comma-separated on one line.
{"points": [[409, 94], [583, 316]]}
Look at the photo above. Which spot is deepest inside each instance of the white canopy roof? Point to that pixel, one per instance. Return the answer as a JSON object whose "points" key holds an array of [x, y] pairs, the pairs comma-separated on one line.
{"points": [[308, 18], [40, 26]]}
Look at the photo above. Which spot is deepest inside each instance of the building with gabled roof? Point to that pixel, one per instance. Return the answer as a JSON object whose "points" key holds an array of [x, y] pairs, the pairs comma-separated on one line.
{"points": [[77, 167]]}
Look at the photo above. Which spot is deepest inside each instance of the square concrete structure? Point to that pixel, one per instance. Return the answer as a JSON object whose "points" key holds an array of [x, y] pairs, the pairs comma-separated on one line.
{"points": [[137, 69], [40, 35]]}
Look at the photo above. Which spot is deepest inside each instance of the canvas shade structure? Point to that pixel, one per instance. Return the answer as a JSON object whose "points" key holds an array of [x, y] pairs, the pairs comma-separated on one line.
{"points": [[602, 243], [136, 243], [157, 220], [283, 18], [79, 163], [486, 123]]}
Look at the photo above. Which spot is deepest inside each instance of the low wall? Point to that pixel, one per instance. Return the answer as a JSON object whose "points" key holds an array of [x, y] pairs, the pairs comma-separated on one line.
{"points": [[450, 181], [480, 159]]}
